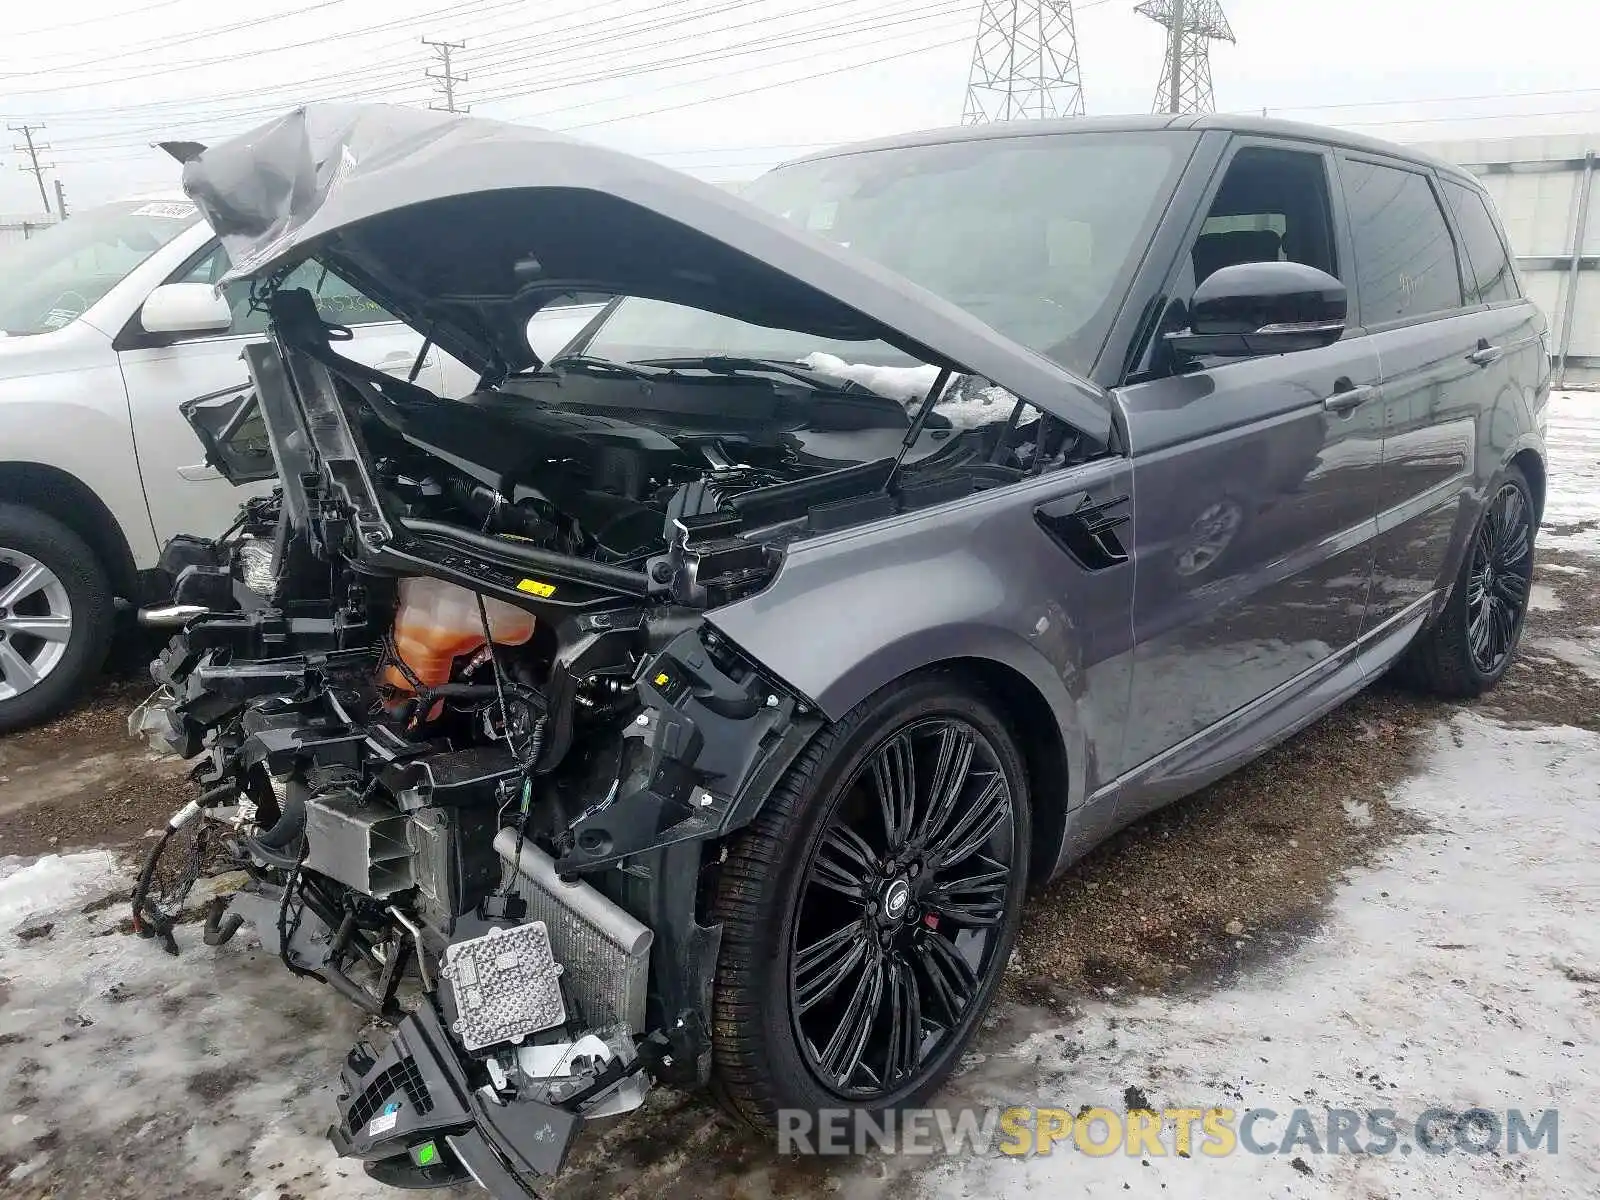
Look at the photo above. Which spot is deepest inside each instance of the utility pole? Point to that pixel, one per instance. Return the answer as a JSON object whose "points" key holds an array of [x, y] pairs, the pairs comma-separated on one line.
{"points": [[1024, 63], [61, 199], [1192, 25], [32, 149], [447, 77]]}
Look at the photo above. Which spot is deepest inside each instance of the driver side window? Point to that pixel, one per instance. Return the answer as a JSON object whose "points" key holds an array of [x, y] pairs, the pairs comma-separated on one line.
{"points": [[1273, 206], [337, 302]]}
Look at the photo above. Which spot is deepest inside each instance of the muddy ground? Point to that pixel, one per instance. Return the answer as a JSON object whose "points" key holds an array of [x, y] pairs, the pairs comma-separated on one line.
{"points": [[126, 1073]]}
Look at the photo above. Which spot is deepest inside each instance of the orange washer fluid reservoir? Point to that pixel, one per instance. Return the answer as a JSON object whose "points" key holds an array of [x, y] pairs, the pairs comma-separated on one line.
{"points": [[438, 622]]}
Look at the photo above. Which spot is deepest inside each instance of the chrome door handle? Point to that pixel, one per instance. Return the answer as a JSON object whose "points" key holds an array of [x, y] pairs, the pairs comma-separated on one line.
{"points": [[401, 361], [1350, 399], [199, 472], [1483, 356]]}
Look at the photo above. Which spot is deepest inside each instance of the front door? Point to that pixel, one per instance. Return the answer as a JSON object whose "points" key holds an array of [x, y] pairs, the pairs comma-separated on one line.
{"points": [[184, 494], [1254, 480]]}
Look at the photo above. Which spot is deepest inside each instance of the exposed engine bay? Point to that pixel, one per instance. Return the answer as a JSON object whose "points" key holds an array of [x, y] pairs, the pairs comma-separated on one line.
{"points": [[457, 713]]}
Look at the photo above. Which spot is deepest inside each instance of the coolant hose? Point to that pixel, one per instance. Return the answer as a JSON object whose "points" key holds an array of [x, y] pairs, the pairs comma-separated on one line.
{"points": [[291, 822]]}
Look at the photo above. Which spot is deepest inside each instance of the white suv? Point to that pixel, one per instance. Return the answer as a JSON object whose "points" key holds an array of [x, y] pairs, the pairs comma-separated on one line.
{"points": [[108, 322]]}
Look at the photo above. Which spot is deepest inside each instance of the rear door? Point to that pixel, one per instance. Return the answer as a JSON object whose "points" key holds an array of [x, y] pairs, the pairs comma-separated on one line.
{"points": [[184, 494], [1254, 479], [1439, 375]]}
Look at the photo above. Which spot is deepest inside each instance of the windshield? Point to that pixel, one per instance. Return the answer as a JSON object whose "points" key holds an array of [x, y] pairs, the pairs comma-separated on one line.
{"points": [[51, 280], [1037, 235]]}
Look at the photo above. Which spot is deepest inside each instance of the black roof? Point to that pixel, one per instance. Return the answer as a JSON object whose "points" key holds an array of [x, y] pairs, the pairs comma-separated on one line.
{"points": [[1226, 122]]}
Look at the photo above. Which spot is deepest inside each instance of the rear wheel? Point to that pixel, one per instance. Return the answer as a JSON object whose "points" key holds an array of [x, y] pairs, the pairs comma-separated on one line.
{"points": [[55, 616], [869, 910], [1470, 647]]}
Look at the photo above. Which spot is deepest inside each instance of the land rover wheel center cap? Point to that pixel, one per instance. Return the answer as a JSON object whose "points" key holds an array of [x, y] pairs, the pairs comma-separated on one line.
{"points": [[896, 899]]}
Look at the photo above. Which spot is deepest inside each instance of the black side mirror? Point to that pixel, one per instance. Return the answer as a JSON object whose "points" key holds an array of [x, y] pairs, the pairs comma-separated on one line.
{"points": [[1263, 308]]}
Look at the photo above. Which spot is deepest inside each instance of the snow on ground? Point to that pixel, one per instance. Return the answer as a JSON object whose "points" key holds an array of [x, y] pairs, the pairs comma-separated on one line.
{"points": [[48, 883], [1572, 509], [1462, 973], [1462, 970], [211, 1071]]}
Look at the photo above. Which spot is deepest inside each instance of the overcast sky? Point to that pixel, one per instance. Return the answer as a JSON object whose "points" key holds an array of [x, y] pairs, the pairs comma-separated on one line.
{"points": [[724, 88]]}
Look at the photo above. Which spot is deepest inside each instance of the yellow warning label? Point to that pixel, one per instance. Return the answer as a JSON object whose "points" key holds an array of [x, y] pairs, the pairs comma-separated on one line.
{"points": [[537, 587]]}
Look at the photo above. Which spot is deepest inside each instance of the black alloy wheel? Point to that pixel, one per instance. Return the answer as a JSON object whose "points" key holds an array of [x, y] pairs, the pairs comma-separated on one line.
{"points": [[868, 911], [1499, 579], [1471, 643], [900, 907]]}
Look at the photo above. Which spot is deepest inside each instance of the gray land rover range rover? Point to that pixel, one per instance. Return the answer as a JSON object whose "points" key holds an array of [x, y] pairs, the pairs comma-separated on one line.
{"points": [[698, 704]]}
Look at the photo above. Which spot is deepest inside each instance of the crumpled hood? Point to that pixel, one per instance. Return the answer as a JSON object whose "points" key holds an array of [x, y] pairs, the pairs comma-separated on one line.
{"points": [[464, 228]]}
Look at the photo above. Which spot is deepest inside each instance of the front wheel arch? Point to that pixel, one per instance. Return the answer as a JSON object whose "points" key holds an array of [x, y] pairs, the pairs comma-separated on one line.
{"points": [[758, 1071], [67, 499], [1044, 751]]}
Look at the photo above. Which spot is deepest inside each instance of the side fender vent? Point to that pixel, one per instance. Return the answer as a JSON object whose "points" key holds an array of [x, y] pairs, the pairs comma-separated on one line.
{"points": [[1087, 528]]}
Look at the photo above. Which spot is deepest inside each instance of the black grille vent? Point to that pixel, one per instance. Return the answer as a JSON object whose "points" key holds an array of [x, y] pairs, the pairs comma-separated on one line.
{"points": [[1087, 528], [402, 1077]]}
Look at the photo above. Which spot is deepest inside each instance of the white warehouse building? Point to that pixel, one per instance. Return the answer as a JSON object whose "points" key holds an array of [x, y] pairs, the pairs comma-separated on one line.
{"points": [[1545, 189]]}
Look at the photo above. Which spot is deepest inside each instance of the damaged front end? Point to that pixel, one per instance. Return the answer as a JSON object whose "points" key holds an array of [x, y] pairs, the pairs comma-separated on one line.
{"points": [[459, 705], [449, 757]]}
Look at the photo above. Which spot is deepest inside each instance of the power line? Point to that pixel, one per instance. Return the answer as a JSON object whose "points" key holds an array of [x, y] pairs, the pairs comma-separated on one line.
{"points": [[323, 39], [1508, 116], [574, 51], [1434, 100], [32, 149], [168, 43], [826, 31], [446, 77], [766, 87], [594, 33], [97, 19]]}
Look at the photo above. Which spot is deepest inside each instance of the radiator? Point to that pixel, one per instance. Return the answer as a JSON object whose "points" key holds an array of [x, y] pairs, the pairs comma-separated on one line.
{"points": [[604, 952]]}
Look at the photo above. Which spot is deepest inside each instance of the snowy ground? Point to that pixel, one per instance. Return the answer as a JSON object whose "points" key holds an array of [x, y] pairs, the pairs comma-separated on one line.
{"points": [[1456, 967], [1572, 513]]}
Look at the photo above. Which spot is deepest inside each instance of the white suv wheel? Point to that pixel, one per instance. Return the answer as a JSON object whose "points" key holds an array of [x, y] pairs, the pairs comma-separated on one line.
{"points": [[35, 622]]}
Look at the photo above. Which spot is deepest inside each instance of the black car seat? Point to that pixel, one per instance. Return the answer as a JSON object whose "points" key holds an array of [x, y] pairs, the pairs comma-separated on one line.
{"points": [[1213, 251]]}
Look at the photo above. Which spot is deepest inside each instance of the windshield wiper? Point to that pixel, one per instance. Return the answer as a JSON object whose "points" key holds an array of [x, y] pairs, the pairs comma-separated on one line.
{"points": [[727, 364], [594, 362]]}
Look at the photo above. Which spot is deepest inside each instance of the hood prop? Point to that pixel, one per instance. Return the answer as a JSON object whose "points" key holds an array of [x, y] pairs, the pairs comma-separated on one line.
{"points": [[917, 425]]}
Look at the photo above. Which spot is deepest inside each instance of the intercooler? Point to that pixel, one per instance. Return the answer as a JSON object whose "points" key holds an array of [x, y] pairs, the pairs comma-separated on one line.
{"points": [[604, 952]]}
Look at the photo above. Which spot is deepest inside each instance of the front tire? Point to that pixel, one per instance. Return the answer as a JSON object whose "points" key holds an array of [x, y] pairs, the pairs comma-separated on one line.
{"points": [[56, 614], [1470, 647], [869, 910]]}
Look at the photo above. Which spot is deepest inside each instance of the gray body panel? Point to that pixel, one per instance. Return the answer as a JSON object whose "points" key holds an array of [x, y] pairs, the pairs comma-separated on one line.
{"points": [[1162, 682], [852, 612], [1159, 670]]}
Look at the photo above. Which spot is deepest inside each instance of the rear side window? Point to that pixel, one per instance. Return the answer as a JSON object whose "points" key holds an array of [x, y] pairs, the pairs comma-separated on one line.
{"points": [[1489, 267], [1405, 259]]}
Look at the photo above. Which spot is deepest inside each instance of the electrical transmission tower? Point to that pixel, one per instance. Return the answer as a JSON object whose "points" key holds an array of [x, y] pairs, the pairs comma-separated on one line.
{"points": [[1024, 63], [1192, 25], [32, 150], [446, 75]]}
